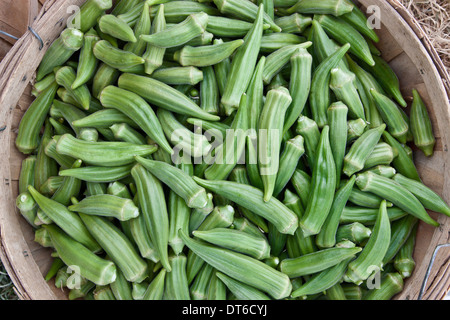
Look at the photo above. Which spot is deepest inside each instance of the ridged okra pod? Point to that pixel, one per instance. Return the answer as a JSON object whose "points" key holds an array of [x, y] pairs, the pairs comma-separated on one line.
{"points": [[138, 110], [101, 119], [97, 173], [390, 285], [45, 166], [124, 132], [70, 187], [209, 91], [199, 287], [358, 20], [227, 27], [294, 23], [337, 120], [179, 217], [163, 96], [65, 77], [91, 266], [395, 123], [420, 125], [367, 216], [404, 261], [27, 207], [242, 66], [102, 153], [176, 283], [355, 232], [342, 82], [28, 139], [178, 75], [327, 236], [89, 13], [271, 125], [320, 91], [236, 240], [70, 41], [179, 34], [177, 180], [323, 187], [87, 62], [310, 132], [344, 33], [116, 27], [104, 76], [118, 247], [253, 199], [245, 10], [331, 7], [121, 288], [241, 290], [153, 208], [26, 176], [355, 128], [361, 149], [235, 265], [299, 85], [394, 192], [316, 261], [154, 55], [107, 206], [155, 289], [115, 57], [382, 154], [142, 27], [428, 197], [400, 231], [208, 55]]}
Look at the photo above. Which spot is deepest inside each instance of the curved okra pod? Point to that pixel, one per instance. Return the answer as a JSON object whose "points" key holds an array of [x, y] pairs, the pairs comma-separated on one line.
{"points": [[40, 86], [323, 187], [67, 220], [400, 231], [117, 246], [178, 181], [332, 7], [382, 154], [107, 206], [153, 208], [228, 27], [115, 57], [27, 139], [271, 124], [179, 217], [163, 96], [116, 27], [358, 20], [206, 55], [320, 91], [177, 11], [255, 93], [299, 85], [253, 199], [199, 287], [50, 186], [97, 173], [27, 207], [245, 10], [138, 110], [69, 188], [429, 198], [241, 290], [421, 126], [342, 83], [344, 33], [327, 236], [310, 132], [383, 170], [65, 77], [91, 266], [395, 123], [235, 265], [70, 41], [89, 13], [361, 149], [102, 153], [355, 128], [367, 216], [337, 120], [178, 75], [105, 76], [101, 119], [243, 65], [179, 34], [87, 63], [394, 192], [317, 261], [404, 261]]}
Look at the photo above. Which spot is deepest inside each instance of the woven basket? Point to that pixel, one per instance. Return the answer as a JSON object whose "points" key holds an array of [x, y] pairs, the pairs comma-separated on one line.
{"points": [[403, 44]]}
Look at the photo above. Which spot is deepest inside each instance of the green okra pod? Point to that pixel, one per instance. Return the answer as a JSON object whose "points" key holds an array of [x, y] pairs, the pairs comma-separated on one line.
{"points": [[102, 153], [317, 261], [253, 199], [154, 55], [73, 253], [68, 221], [275, 41], [176, 284], [117, 246], [179, 34], [70, 41], [88, 63], [209, 91], [390, 285], [217, 289], [163, 96], [429, 198], [355, 128], [301, 182], [228, 27], [199, 287], [222, 69], [155, 289], [178, 75], [26, 176], [27, 207], [124, 132], [320, 91], [355, 232], [27, 139], [153, 208], [104, 118], [199, 215], [361, 149], [179, 217], [243, 65], [208, 55], [382, 154], [337, 120], [358, 20], [404, 261], [89, 13], [138, 110], [323, 185], [400, 231], [105, 75], [115, 57], [50, 186], [241, 290], [310, 132], [116, 27], [394, 192], [142, 26], [121, 288], [329, 7], [97, 173], [383, 170], [234, 264], [45, 166], [177, 11], [69, 188], [178, 181], [65, 77], [367, 216], [421, 126], [294, 23]]}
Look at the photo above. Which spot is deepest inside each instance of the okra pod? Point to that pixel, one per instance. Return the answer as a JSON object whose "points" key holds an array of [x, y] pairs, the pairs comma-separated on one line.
{"points": [[323, 185], [88, 63], [294, 23], [124, 132], [97, 173], [116, 27], [330, 7], [358, 20], [421, 126], [163, 96], [234, 264], [115, 57], [121, 288], [400, 231], [199, 287], [65, 77], [390, 285], [355, 232], [89, 13], [253, 199], [26, 176], [394, 192], [337, 120], [104, 118], [69, 188], [355, 128], [142, 26], [217, 289], [228, 27], [176, 284], [105, 75], [241, 290], [154, 55], [45, 166], [209, 91], [179, 217], [27, 207], [404, 261], [50, 186], [310, 132], [367, 216], [155, 289], [383, 170], [255, 93], [382, 154], [178, 75]]}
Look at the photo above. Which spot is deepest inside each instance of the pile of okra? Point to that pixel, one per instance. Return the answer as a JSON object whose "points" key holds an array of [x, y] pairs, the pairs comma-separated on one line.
{"points": [[224, 149]]}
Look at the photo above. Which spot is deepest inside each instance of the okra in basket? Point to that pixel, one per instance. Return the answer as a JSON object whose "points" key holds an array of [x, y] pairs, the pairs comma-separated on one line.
{"points": [[224, 150]]}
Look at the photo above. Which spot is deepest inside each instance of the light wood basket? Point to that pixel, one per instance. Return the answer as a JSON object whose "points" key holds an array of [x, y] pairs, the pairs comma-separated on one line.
{"points": [[403, 44]]}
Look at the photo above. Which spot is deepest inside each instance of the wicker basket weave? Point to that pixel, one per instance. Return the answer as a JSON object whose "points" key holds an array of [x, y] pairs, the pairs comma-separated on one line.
{"points": [[403, 44]]}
